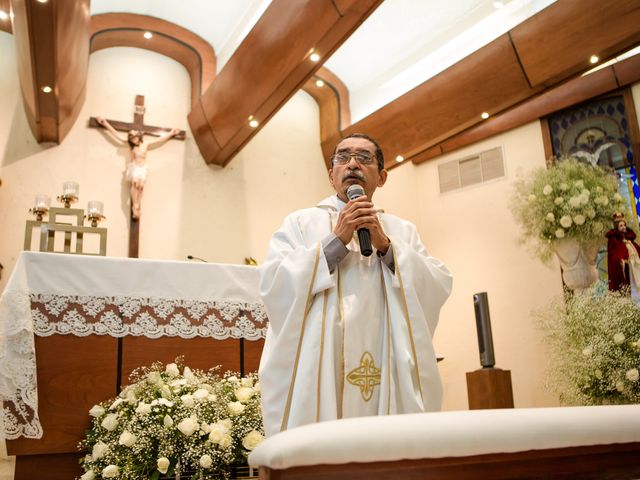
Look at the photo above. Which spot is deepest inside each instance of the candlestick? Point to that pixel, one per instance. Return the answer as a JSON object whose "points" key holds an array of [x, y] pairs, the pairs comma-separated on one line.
{"points": [[95, 212], [41, 206]]}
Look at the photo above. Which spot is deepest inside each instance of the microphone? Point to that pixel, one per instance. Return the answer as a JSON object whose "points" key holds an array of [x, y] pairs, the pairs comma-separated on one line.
{"points": [[483, 326], [191, 257], [364, 237]]}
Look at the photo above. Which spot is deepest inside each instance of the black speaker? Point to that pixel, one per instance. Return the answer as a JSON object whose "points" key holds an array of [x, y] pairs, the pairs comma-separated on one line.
{"points": [[483, 326]]}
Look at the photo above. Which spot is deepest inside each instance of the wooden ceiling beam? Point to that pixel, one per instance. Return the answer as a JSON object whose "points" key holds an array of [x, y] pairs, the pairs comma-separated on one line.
{"points": [[270, 65], [52, 43], [127, 30]]}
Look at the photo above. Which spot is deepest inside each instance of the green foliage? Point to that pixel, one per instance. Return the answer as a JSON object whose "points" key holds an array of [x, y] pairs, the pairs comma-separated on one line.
{"points": [[594, 342], [174, 418], [570, 200]]}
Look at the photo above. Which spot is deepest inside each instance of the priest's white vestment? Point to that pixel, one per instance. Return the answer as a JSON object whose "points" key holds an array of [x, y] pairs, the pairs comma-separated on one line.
{"points": [[353, 342]]}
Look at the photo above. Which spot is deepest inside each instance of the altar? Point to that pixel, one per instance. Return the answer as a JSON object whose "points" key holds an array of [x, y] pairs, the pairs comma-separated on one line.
{"points": [[72, 329]]}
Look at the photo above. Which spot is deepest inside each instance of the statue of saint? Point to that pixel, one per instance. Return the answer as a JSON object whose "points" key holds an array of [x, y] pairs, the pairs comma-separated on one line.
{"points": [[137, 168]]}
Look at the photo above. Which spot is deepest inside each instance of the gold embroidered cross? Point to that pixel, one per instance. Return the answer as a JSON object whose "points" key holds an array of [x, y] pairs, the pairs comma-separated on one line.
{"points": [[366, 376]]}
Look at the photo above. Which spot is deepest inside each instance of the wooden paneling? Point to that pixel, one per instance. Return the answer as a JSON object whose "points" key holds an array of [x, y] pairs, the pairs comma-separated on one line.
{"points": [[617, 461], [53, 50], [490, 80], [74, 373], [49, 467], [333, 102], [201, 353], [252, 354], [565, 95], [270, 65], [557, 43], [127, 29], [5, 25]]}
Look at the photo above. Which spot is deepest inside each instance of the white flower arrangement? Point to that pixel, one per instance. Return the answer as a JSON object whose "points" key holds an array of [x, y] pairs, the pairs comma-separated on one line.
{"points": [[594, 342], [572, 199], [173, 418]]}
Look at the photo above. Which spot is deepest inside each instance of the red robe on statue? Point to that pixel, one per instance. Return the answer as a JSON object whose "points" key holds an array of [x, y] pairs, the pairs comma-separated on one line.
{"points": [[618, 256]]}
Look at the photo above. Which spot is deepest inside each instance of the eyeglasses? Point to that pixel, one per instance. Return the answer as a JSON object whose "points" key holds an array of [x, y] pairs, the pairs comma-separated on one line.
{"points": [[362, 157]]}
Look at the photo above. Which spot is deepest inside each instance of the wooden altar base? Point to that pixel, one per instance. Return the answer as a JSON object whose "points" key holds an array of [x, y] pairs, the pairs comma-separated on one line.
{"points": [[610, 462]]}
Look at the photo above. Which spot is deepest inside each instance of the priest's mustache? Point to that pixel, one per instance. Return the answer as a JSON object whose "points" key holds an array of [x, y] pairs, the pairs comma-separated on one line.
{"points": [[357, 174]]}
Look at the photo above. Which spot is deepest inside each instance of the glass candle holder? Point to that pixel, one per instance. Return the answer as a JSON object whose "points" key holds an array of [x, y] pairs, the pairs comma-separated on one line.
{"points": [[70, 189], [41, 206]]}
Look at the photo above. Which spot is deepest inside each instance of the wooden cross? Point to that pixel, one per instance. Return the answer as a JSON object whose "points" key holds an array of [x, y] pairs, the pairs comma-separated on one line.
{"points": [[138, 124]]}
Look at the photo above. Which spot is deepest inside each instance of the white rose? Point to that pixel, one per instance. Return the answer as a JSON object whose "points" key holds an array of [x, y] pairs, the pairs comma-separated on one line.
{"points": [[172, 369], [598, 374], [131, 396], [127, 439], [638, 343], [559, 233], [165, 402], [617, 197], [547, 190], [225, 442], [620, 387], [558, 200], [206, 386], [235, 408], [564, 187], [206, 461], [215, 433], [244, 394], [566, 221], [116, 402], [110, 422], [618, 338], [232, 379], [575, 202], [550, 217], [163, 465], [633, 375], [153, 378], [188, 374], [88, 475], [605, 200], [98, 451], [252, 440], [188, 426], [167, 421], [579, 184], [187, 400], [143, 408], [212, 397], [226, 423], [200, 395], [599, 190], [246, 382], [205, 428], [579, 219], [97, 411], [256, 387], [531, 198], [587, 351], [591, 213], [597, 227], [178, 383], [165, 391], [110, 471]]}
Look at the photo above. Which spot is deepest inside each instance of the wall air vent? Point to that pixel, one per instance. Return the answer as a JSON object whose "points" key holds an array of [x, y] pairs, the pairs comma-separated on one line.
{"points": [[472, 170]]}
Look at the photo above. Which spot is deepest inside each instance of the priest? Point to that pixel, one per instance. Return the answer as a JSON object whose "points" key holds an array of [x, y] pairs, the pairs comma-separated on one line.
{"points": [[350, 332]]}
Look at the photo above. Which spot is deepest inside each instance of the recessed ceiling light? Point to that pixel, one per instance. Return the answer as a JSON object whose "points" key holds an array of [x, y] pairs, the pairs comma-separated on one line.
{"points": [[3, 15], [498, 4], [484, 115], [46, 89], [43, 1], [314, 57], [253, 123], [399, 158], [148, 35], [319, 83], [594, 59]]}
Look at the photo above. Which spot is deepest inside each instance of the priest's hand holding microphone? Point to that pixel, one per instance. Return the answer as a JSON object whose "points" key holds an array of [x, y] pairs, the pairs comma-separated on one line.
{"points": [[359, 214]]}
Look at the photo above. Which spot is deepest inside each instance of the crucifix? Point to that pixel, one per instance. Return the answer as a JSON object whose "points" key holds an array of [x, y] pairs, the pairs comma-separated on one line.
{"points": [[136, 172]]}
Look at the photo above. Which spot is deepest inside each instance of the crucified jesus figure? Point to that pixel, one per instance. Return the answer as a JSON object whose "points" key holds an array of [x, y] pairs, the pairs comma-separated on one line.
{"points": [[137, 168]]}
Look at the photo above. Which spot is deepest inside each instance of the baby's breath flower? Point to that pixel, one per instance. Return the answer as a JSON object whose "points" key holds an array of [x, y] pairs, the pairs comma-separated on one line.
{"points": [[618, 338], [632, 375]]}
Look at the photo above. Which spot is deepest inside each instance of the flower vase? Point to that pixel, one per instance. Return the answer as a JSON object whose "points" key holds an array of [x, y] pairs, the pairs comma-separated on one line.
{"points": [[578, 262]]}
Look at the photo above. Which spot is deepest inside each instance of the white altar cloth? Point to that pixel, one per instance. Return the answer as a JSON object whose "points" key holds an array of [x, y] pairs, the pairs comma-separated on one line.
{"points": [[50, 293], [447, 434]]}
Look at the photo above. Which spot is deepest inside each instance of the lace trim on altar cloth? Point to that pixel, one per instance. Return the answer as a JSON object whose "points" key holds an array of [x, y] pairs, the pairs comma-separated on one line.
{"points": [[148, 317], [22, 316], [18, 386]]}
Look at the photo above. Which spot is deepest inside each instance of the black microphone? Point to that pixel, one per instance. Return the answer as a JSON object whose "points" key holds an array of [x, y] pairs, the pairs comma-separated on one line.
{"points": [[483, 326], [191, 257], [364, 237]]}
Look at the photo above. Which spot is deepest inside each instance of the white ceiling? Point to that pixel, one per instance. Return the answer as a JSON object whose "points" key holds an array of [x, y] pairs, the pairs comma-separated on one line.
{"points": [[402, 44]]}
